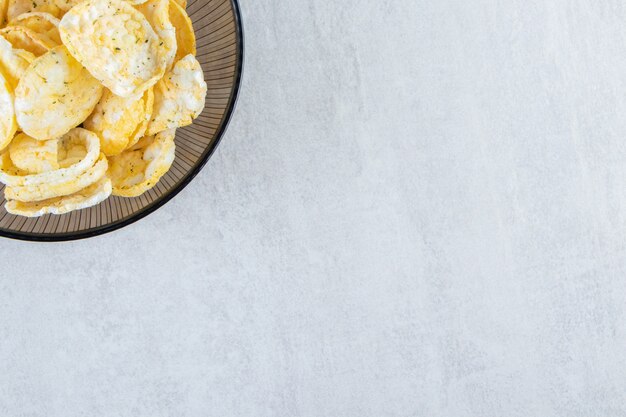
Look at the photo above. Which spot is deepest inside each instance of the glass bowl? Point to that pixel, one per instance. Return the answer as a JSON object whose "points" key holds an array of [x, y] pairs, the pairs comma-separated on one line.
{"points": [[219, 42]]}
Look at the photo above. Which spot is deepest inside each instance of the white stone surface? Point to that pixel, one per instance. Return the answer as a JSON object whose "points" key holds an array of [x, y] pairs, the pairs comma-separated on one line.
{"points": [[419, 210]]}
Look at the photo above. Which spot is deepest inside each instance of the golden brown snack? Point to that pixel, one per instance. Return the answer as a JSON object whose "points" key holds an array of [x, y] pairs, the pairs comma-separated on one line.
{"points": [[134, 172], [54, 95], [115, 42]]}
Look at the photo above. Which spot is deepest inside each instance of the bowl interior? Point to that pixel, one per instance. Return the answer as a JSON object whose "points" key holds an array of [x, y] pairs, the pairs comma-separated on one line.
{"points": [[219, 50]]}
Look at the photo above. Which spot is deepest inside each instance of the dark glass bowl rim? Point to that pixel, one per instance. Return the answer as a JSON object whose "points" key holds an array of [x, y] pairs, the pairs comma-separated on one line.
{"points": [[204, 158]]}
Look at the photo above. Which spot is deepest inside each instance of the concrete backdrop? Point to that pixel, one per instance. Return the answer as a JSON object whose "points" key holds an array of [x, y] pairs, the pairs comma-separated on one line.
{"points": [[419, 209]]}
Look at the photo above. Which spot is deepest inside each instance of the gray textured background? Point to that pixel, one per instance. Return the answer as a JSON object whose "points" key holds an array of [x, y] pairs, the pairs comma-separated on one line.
{"points": [[418, 210]]}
